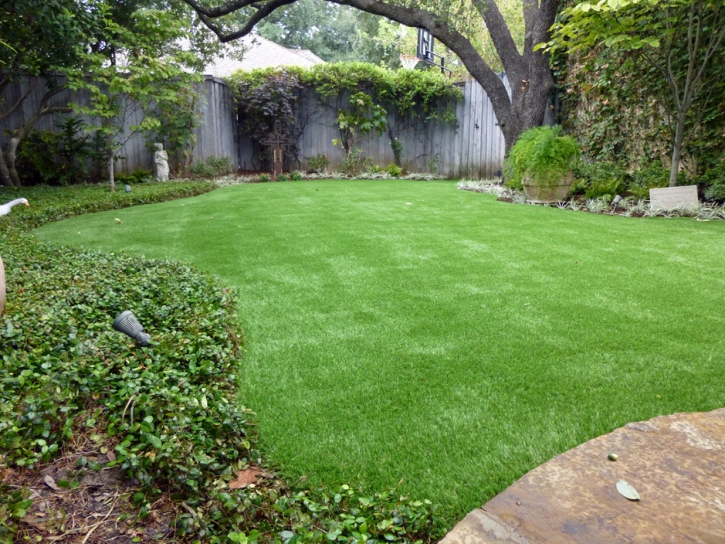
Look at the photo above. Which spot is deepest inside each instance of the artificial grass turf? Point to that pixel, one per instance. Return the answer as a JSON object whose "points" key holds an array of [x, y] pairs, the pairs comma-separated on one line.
{"points": [[408, 332]]}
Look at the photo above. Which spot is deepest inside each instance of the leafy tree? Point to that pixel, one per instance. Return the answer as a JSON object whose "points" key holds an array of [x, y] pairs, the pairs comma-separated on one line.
{"points": [[146, 74], [680, 39], [457, 25], [40, 38]]}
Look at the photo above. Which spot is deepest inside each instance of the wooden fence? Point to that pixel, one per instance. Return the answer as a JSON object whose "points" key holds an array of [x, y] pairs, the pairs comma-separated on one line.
{"points": [[215, 137], [471, 148], [474, 148]]}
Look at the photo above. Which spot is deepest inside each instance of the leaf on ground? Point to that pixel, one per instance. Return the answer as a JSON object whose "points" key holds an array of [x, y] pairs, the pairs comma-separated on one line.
{"points": [[50, 482], [627, 490], [245, 478]]}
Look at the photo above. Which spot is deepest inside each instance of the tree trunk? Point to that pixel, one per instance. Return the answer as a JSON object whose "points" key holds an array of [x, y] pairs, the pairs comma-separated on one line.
{"points": [[677, 148], [10, 156], [4, 172], [111, 179]]}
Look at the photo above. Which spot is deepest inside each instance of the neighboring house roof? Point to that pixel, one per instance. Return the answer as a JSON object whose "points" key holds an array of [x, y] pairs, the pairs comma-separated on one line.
{"points": [[262, 53]]}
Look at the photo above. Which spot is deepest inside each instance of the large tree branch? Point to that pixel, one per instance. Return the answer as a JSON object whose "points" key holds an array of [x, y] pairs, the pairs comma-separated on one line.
{"points": [[499, 32], [19, 101], [262, 12], [224, 9]]}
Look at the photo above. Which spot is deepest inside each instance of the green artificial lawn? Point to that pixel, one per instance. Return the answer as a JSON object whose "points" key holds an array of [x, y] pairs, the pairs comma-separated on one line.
{"points": [[409, 332]]}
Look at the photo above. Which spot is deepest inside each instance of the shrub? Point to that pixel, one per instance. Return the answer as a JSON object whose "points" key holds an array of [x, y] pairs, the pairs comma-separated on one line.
{"points": [[212, 167], [138, 176], [714, 182], [60, 158], [282, 177], [541, 155], [264, 178], [599, 179], [650, 177], [295, 176], [394, 170], [318, 163]]}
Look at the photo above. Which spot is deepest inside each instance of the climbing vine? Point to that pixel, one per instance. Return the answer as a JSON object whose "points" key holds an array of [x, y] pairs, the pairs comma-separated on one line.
{"points": [[269, 95], [612, 104]]}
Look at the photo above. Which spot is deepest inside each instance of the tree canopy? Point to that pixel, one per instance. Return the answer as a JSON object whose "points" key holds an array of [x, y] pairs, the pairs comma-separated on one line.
{"points": [[457, 25]]}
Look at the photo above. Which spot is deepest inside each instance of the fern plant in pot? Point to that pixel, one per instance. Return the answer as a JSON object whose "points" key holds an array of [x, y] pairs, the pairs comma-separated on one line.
{"points": [[541, 161]]}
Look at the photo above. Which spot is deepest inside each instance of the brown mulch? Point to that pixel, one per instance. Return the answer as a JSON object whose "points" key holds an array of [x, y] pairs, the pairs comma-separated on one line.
{"points": [[96, 508]]}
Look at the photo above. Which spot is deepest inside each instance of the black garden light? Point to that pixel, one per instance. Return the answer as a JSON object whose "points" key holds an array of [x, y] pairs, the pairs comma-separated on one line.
{"points": [[127, 323]]}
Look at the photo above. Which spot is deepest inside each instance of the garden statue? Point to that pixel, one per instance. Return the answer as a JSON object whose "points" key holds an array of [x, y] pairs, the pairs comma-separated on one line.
{"points": [[162, 163]]}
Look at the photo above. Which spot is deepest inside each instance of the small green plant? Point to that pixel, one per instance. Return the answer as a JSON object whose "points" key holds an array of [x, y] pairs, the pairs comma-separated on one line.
{"points": [[541, 156], [264, 178], [295, 176], [650, 177], [363, 118], [138, 176], [318, 163], [213, 167], [714, 181], [394, 170], [282, 177]]}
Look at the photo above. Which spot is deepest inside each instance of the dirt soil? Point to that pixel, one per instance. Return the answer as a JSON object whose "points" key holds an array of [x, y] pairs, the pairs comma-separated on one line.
{"points": [[86, 506]]}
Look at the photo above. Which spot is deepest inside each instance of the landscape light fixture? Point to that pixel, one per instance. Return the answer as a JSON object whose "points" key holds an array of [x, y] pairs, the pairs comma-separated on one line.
{"points": [[616, 200], [127, 323]]}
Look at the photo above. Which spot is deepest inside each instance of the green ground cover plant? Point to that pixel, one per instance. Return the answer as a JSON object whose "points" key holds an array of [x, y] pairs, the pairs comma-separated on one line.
{"points": [[167, 415], [402, 332]]}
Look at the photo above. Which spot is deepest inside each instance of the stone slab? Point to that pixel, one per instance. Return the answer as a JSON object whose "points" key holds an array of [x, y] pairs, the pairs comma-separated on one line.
{"points": [[671, 197], [676, 463]]}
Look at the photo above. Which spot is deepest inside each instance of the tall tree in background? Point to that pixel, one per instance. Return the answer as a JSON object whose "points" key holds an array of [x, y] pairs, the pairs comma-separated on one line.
{"points": [[334, 33], [457, 25]]}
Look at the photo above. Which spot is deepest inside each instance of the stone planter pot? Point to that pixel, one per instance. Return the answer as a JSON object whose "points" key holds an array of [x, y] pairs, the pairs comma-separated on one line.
{"points": [[547, 194]]}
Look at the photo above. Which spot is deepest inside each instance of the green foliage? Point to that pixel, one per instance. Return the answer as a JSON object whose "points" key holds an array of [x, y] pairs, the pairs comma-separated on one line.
{"points": [[714, 181], [335, 33], [60, 158], [644, 79], [650, 177], [318, 163], [282, 177], [140, 175], [295, 176], [363, 118], [394, 170], [264, 178], [150, 80], [397, 147], [542, 156], [599, 178], [212, 167]]}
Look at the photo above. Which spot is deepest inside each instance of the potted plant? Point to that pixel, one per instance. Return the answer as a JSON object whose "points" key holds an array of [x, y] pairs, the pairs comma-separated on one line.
{"points": [[541, 161]]}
